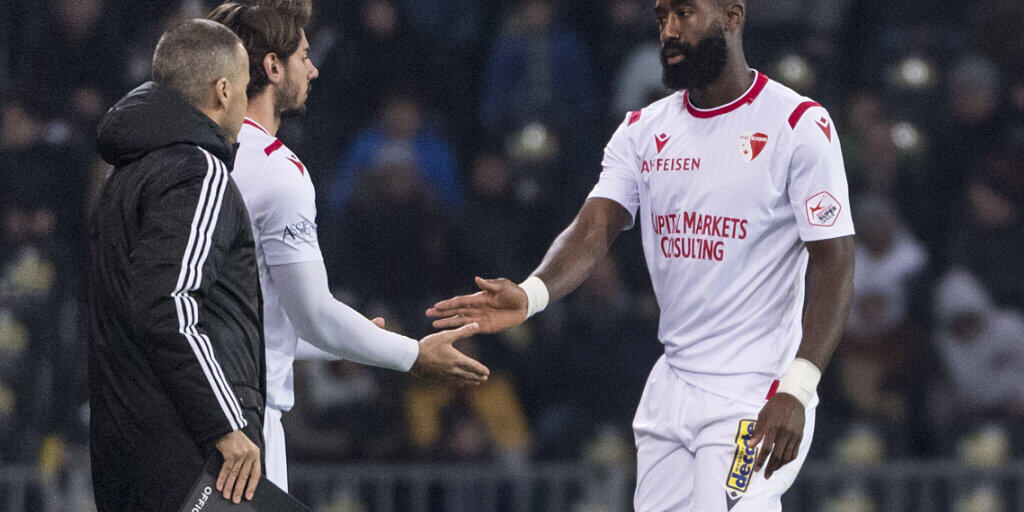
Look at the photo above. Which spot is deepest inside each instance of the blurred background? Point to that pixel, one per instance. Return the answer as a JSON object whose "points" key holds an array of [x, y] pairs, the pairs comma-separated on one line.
{"points": [[457, 138]]}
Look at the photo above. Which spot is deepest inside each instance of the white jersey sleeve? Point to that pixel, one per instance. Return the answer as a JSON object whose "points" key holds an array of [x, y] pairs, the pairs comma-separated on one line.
{"points": [[620, 171], [817, 186], [332, 326], [286, 218], [305, 351]]}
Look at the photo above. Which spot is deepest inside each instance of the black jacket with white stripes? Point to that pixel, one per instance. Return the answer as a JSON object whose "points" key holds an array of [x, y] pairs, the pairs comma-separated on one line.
{"points": [[176, 352]]}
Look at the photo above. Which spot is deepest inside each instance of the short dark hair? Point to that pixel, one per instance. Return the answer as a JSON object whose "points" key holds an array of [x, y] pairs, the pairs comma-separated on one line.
{"points": [[192, 56], [265, 26]]}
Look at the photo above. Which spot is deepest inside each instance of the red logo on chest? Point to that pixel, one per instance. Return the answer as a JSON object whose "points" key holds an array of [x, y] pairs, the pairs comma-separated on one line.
{"points": [[752, 144], [661, 140]]}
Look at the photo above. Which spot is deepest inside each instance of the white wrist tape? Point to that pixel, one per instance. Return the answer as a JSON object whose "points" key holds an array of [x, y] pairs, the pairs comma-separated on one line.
{"points": [[536, 295], [801, 380]]}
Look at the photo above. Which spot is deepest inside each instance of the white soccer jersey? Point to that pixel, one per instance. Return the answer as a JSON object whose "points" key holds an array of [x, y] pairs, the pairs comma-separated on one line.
{"points": [[727, 197], [282, 208]]}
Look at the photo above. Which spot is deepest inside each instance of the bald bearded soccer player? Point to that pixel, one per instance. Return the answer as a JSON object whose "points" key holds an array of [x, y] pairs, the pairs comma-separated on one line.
{"points": [[738, 187]]}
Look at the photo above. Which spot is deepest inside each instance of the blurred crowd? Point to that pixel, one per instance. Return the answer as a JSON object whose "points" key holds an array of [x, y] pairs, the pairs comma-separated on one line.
{"points": [[457, 138]]}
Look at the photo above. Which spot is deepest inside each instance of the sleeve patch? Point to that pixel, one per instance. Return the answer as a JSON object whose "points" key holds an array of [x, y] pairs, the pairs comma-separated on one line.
{"points": [[822, 209], [634, 117], [794, 118]]}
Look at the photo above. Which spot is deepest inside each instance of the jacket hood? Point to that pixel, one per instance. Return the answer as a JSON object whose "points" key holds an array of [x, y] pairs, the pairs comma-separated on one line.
{"points": [[153, 117]]}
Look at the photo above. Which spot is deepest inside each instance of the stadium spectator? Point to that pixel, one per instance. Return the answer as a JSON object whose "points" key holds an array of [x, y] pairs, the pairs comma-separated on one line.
{"points": [[493, 225], [37, 388], [625, 28], [46, 170], [966, 131], [989, 235], [591, 373], [395, 245], [539, 71], [449, 33], [467, 424], [401, 128], [345, 412], [375, 59], [983, 357], [791, 25], [639, 79], [888, 259], [994, 37], [879, 358], [74, 54]]}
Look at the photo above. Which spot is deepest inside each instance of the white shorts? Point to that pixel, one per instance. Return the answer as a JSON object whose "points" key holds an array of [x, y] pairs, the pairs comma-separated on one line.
{"points": [[689, 454], [276, 469]]}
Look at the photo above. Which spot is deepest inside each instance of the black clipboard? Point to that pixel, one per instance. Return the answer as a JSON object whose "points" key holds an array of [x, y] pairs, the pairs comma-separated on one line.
{"points": [[204, 496]]}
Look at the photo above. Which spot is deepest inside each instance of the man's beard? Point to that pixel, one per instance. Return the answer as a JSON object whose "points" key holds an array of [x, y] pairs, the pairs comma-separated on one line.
{"points": [[702, 64], [288, 102]]}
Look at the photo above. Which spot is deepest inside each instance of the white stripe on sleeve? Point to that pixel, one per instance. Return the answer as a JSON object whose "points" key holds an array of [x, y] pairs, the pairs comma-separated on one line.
{"points": [[204, 222]]}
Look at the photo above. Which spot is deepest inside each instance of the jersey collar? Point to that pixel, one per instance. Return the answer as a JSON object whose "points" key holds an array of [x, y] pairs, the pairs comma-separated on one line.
{"points": [[760, 81], [252, 123]]}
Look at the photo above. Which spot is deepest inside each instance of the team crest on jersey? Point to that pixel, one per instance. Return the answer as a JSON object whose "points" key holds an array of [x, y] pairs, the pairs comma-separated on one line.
{"points": [[741, 471], [752, 144], [822, 209]]}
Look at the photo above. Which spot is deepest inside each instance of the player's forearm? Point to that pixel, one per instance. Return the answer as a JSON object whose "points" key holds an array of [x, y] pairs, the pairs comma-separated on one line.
{"points": [[830, 293], [334, 327], [339, 330], [581, 246], [305, 351]]}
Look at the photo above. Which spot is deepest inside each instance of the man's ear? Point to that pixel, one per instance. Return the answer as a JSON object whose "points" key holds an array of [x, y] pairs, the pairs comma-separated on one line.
{"points": [[736, 15], [222, 90], [273, 67]]}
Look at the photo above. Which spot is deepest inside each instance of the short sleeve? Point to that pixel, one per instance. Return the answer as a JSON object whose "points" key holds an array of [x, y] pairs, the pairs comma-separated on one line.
{"points": [[619, 180], [286, 223], [818, 191]]}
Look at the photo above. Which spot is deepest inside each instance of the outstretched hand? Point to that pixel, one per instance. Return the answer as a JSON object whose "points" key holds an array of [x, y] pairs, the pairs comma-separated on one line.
{"points": [[439, 359], [499, 305], [781, 426]]}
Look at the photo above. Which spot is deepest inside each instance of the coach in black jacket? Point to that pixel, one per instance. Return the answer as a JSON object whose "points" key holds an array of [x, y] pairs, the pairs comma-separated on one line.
{"points": [[176, 355]]}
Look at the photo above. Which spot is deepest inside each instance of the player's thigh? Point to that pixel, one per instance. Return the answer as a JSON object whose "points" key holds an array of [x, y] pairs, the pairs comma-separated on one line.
{"points": [[276, 468], [665, 472], [725, 478], [665, 466]]}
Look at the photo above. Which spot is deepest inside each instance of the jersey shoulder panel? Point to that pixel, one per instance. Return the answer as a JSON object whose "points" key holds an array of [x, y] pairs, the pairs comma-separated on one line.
{"points": [[794, 106], [265, 158], [640, 120], [269, 176]]}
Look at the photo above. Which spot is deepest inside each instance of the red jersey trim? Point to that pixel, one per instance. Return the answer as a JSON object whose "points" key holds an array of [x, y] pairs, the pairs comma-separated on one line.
{"points": [[794, 118], [252, 123], [759, 83], [274, 146]]}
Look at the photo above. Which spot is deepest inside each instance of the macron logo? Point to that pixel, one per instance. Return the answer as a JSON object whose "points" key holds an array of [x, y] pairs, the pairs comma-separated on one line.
{"points": [[826, 128], [661, 140]]}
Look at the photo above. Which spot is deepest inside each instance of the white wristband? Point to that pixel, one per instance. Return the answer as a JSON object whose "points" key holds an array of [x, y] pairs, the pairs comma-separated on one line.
{"points": [[536, 295], [801, 380]]}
